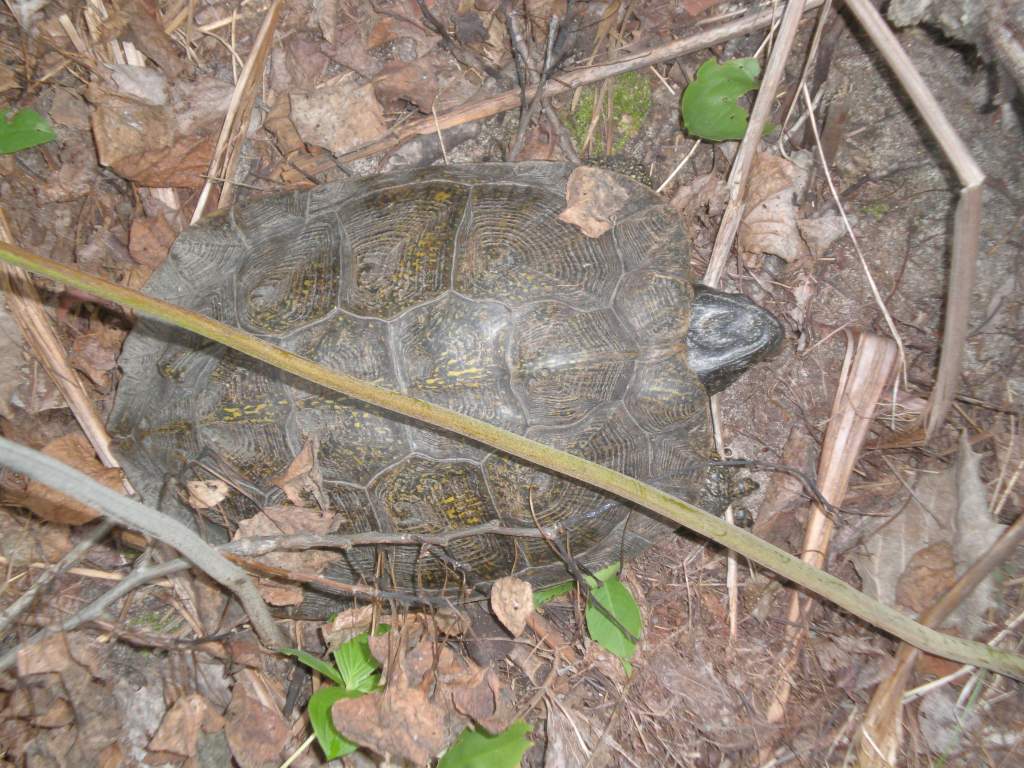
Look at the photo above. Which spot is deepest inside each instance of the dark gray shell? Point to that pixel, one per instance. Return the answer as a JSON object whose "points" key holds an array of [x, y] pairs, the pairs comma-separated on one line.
{"points": [[457, 285]]}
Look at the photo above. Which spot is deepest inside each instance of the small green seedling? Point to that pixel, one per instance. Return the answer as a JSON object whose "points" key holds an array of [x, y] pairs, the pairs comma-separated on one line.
{"points": [[475, 748], [612, 594], [355, 671], [709, 104], [27, 128], [618, 602]]}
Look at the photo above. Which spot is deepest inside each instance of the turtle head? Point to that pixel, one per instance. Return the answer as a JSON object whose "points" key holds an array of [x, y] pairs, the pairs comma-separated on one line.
{"points": [[728, 334]]}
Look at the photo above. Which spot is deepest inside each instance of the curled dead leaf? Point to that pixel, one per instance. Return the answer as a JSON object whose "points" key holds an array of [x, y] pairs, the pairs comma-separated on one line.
{"points": [[206, 494], [179, 731], [256, 730], [512, 603], [400, 722], [593, 196], [301, 481]]}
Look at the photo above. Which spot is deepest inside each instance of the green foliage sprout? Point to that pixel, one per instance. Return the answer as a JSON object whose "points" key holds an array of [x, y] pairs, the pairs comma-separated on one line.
{"points": [[615, 597], [475, 748], [709, 104], [356, 672], [25, 129]]}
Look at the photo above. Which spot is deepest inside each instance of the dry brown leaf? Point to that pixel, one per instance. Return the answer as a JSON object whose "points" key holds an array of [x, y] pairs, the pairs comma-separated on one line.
{"points": [[401, 722], [280, 125], [57, 716], [955, 512], [301, 480], [915, 527], [160, 145], [148, 33], [976, 531], [75, 451], [927, 575], [256, 730], [479, 695], [95, 354], [150, 240], [347, 624], [278, 521], [111, 757], [206, 494], [769, 223], [413, 82], [512, 603], [338, 116], [593, 196], [48, 655], [69, 109], [179, 731]]}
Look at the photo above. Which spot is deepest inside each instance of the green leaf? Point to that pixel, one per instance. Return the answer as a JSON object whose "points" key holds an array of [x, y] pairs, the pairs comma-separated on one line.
{"points": [[475, 748], [614, 596], [709, 103], [332, 743], [313, 662], [26, 129], [357, 665], [548, 594]]}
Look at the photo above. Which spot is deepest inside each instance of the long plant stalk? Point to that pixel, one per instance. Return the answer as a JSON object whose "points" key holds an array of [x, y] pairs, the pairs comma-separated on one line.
{"points": [[682, 512]]}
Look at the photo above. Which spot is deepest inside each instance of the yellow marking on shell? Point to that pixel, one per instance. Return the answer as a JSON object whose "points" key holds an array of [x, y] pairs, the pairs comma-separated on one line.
{"points": [[442, 196], [465, 372]]}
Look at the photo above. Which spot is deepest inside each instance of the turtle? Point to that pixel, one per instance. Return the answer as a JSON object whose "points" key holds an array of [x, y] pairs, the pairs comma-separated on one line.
{"points": [[461, 286]]}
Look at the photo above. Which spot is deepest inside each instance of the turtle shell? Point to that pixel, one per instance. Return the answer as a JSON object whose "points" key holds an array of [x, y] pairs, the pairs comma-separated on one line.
{"points": [[457, 285]]}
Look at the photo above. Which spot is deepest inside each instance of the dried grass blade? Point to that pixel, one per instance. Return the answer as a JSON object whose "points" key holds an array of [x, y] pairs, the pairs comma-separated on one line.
{"points": [[860, 387], [236, 120]]}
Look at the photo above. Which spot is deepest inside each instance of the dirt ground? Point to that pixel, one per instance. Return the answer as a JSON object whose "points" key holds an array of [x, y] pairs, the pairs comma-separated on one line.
{"points": [[147, 682]]}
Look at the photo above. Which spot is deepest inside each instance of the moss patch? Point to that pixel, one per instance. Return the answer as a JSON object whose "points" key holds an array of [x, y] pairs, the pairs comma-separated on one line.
{"points": [[631, 101]]}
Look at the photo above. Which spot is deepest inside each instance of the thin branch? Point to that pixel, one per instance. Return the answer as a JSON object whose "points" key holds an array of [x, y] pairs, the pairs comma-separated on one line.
{"points": [[561, 462], [43, 580], [132, 514], [96, 608]]}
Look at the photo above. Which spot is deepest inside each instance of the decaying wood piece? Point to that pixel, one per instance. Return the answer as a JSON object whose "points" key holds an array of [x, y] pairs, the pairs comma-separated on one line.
{"points": [[236, 121], [966, 224], [567, 81], [868, 368], [882, 729]]}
